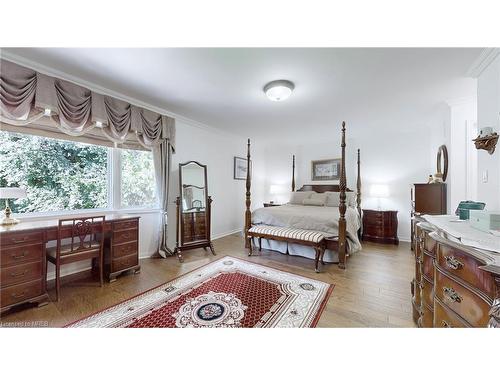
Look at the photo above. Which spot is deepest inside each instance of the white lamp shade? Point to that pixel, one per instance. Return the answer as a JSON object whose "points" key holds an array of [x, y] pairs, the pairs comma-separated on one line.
{"points": [[379, 191], [12, 192]]}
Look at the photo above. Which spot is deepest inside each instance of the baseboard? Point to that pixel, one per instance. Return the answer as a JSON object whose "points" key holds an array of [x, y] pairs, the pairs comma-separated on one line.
{"points": [[217, 236]]}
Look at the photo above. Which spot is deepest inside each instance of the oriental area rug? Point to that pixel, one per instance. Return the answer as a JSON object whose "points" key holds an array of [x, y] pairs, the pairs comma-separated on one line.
{"points": [[227, 293]]}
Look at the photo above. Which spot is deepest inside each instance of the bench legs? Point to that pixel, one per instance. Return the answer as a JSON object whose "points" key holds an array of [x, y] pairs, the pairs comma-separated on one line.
{"points": [[320, 252]]}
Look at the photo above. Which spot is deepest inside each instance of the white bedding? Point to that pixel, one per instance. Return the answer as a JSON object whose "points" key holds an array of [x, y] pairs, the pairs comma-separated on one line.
{"points": [[322, 219]]}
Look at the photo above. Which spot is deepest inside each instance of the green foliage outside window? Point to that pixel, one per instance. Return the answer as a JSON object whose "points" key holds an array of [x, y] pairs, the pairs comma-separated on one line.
{"points": [[57, 175], [138, 188]]}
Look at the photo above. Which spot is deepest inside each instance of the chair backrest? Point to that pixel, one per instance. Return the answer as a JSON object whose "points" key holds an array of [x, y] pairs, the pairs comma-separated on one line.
{"points": [[81, 231]]}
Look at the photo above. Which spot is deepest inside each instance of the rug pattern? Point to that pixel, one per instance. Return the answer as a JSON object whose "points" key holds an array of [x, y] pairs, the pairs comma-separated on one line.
{"points": [[226, 293]]}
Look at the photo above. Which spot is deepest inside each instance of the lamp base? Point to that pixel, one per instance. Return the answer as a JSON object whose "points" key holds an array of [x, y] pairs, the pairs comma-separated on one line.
{"points": [[8, 221]]}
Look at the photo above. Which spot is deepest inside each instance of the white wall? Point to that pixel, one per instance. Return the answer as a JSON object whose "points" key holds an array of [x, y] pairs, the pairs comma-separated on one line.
{"points": [[488, 114]]}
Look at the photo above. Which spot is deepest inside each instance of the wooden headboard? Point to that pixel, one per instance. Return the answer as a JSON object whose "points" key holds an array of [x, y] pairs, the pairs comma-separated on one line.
{"points": [[321, 188]]}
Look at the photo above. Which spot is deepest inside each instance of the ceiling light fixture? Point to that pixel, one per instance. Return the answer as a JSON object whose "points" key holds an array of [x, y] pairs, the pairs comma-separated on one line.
{"points": [[280, 90]]}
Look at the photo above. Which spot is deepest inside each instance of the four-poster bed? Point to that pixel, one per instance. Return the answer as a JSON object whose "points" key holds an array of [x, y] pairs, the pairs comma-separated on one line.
{"points": [[308, 230]]}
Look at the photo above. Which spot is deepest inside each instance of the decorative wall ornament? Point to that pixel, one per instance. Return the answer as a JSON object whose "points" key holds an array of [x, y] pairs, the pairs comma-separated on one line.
{"points": [[487, 142], [441, 165]]}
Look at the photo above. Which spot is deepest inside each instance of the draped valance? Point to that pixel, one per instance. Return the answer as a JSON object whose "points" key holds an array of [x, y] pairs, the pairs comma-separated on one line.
{"points": [[28, 98]]}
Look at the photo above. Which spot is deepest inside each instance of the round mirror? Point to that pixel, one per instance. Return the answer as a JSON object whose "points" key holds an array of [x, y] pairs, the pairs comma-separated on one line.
{"points": [[442, 162]]}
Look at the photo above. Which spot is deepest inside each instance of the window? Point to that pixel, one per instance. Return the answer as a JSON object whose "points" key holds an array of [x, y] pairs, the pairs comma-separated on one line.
{"points": [[138, 187], [65, 175]]}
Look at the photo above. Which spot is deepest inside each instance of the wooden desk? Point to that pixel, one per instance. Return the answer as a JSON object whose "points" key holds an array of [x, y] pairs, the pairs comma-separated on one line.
{"points": [[23, 256]]}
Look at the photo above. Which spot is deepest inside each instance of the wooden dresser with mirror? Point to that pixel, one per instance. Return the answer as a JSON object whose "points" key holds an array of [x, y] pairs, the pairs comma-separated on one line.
{"points": [[193, 209], [455, 285]]}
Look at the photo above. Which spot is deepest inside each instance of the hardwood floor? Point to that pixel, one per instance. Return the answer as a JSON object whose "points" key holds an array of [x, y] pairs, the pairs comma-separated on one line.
{"points": [[374, 290]]}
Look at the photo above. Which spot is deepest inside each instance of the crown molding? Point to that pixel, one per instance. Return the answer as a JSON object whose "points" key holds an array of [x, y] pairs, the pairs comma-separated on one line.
{"points": [[483, 61], [28, 63]]}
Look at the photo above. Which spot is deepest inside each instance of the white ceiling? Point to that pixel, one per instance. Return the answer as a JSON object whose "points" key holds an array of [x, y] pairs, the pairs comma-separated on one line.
{"points": [[378, 88]]}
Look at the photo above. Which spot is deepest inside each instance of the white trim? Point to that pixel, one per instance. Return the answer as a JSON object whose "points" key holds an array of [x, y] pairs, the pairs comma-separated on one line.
{"points": [[483, 61], [34, 216], [217, 236], [12, 57]]}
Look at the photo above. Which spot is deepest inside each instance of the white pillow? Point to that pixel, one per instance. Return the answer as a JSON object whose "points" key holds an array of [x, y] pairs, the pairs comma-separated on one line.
{"points": [[320, 197], [299, 196], [313, 202], [333, 199]]}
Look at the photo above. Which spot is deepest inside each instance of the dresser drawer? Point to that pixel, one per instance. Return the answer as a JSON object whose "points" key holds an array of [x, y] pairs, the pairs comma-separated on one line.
{"points": [[14, 255], [470, 306], [427, 293], [465, 267], [124, 249], [126, 224], [125, 236], [21, 273], [20, 238], [428, 266], [21, 292], [445, 317], [123, 263]]}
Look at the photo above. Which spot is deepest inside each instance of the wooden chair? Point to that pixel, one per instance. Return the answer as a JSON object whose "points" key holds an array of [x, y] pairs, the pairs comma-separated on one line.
{"points": [[87, 242]]}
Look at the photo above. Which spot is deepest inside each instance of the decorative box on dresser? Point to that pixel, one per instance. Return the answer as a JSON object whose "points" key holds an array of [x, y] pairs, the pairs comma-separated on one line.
{"points": [[380, 226], [22, 268], [464, 289], [122, 248]]}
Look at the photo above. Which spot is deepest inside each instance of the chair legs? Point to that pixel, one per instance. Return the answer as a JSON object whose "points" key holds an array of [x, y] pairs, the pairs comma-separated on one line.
{"points": [[58, 280], [101, 266]]}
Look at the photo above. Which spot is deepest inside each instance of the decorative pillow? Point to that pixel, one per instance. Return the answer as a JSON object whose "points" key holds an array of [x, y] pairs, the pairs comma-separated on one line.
{"points": [[319, 197], [313, 202], [299, 196]]}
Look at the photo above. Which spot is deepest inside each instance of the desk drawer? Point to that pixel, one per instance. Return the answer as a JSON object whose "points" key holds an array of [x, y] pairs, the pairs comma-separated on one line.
{"points": [[20, 238], [124, 263], [11, 256], [126, 224], [21, 292], [445, 317], [21, 273], [124, 236], [125, 249], [470, 306], [466, 268]]}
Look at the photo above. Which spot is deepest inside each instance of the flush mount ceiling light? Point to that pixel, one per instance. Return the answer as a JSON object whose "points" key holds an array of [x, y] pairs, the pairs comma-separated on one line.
{"points": [[280, 90]]}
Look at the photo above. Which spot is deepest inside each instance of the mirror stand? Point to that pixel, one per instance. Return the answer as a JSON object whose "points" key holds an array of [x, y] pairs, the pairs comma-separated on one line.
{"points": [[193, 209]]}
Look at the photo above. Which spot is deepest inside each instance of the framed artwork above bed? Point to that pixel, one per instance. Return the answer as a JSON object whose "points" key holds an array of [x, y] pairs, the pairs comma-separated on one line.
{"points": [[325, 170]]}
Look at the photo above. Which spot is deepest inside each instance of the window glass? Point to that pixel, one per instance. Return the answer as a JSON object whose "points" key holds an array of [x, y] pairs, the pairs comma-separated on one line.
{"points": [[57, 175], [138, 188]]}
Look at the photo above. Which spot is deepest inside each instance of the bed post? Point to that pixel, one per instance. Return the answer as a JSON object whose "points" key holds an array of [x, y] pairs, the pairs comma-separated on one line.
{"points": [[342, 205], [293, 173], [358, 192], [248, 213]]}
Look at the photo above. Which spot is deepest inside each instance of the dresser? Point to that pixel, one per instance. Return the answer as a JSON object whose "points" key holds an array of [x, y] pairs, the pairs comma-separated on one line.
{"points": [[380, 226], [23, 256], [454, 285]]}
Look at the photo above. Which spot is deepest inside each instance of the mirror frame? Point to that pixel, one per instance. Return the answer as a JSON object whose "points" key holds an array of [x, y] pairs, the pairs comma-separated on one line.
{"points": [[181, 192], [442, 154]]}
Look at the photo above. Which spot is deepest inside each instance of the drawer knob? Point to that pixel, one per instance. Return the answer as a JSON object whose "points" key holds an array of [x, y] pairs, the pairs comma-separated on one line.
{"points": [[445, 324], [19, 256], [20, 240], [20, 295], [453, 263], [20, 274], [452, 294]]}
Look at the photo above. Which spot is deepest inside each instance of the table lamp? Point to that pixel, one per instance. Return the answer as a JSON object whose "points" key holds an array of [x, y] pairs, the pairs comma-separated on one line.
{"points": [[10, 193], [276, 190], [379, 191]]}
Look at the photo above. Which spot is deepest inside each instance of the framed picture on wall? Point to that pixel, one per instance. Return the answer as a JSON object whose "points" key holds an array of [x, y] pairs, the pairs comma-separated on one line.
{"points": [[240, 168], [323, 170]]}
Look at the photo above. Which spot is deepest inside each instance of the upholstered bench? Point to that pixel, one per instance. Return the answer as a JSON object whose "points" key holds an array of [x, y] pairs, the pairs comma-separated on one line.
{"points": [[305, 237]]}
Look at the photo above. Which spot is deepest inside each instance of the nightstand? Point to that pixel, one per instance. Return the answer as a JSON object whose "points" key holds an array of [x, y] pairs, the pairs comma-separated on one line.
{"points": [[271, 204], [380, 226]]}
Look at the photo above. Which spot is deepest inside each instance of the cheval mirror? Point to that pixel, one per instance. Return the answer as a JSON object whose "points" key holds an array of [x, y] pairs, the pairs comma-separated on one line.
{"points": [[193, 209]]}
